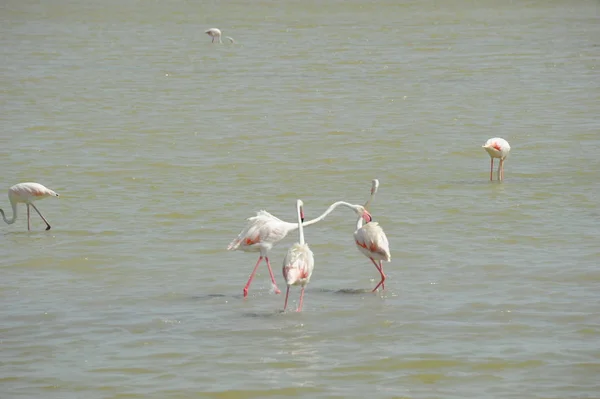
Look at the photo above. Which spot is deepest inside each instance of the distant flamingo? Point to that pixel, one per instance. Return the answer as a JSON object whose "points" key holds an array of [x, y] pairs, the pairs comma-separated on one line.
{"points": [[497, 148], [27, 193], [372, 241], [264, 230], [299, 262], [216, 33]]}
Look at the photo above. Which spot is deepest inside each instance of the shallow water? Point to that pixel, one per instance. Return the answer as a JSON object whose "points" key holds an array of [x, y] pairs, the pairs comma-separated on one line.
{"points": [[162, 144]]}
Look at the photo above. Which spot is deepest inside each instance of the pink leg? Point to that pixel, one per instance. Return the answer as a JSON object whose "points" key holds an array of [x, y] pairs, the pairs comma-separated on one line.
{"points": [[28, 219], [501, 169], [492, 169], [287, 293], [272, 276], [43, 218], [301, 300], [251, 277], [380, 270]]}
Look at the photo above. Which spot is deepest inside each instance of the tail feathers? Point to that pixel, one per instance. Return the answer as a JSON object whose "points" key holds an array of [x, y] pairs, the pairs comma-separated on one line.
{"points": [[233, 245], [292, 275]]}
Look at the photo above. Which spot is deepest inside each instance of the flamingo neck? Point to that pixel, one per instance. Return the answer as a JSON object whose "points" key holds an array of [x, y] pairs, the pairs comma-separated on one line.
{"points": [[359, 222], [373, 192], [14, 216], [300, 228], [328, 211]]}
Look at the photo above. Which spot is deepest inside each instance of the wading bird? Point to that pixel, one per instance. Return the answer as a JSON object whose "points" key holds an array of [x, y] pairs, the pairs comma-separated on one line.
{"points": [[497, 148], [299, 262], [264, 230], [372, 241], [27, 193], [216, 34]]}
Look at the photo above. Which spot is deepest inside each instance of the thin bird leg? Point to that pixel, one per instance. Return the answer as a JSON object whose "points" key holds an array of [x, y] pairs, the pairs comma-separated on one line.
{"points": [[301, 300], [501, 170], [43, 218], [287, 293], [272, 276], [380, 270], [251, 277], [28, 223], [492, 170]]}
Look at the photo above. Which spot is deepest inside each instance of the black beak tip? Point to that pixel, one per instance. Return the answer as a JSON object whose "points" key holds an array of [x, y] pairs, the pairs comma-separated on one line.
{"points": [[47, 228]]}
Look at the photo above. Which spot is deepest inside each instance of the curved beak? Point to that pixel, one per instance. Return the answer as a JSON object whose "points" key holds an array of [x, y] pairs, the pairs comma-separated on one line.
{"points": [[302, 214]]}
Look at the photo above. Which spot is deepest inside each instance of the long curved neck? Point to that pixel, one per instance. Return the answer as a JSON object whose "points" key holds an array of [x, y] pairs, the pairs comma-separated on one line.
{"points": [[374, 188], [328, 211], [359, 222], [300, 228], [14, 216]]}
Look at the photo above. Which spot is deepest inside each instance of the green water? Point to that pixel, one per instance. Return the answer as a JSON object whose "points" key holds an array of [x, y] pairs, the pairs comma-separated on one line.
{"points": [[161, 144]]}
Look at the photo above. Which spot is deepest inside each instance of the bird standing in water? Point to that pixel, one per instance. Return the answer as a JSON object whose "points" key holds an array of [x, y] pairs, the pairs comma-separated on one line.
{"points": [[299, 262], [264, 230], [216, 34], [372, 241], [497, 148], [27, 193]]}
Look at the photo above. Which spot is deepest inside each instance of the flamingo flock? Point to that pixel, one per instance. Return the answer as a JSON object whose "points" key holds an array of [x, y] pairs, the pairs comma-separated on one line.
{"points": [[264, 230]]}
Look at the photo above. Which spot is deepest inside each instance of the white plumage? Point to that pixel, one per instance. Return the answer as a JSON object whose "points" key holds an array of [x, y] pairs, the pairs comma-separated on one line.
{"points": [[497, 148], [216, 34], [299, 262], [27, 193]]}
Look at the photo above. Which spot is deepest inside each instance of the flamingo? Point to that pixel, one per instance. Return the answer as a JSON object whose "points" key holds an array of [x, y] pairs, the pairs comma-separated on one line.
{"points": [[264, 230], [27, 193], [299, 261], [371, 240], [497, 148], [216, 33]]}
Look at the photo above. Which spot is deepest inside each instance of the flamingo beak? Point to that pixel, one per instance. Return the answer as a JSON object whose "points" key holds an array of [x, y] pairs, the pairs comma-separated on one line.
{"points": [[302, 214], [367, 217]]}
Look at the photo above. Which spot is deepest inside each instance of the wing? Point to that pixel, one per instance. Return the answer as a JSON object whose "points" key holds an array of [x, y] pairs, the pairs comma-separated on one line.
{"points": [[372, 238], [262, 228], [298, 264]]}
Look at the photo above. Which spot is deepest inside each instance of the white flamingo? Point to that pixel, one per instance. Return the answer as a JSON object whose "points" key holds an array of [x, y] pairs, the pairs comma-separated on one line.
{"points": [[264, 230], [497, 148], [216, 34], [371, 240], [27, 193], [299, 262]]}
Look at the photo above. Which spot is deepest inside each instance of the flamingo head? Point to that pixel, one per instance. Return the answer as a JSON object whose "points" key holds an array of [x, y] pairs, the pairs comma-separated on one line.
{"points": [[367, 216], [301, 208], [362, 212], [374, 187]]}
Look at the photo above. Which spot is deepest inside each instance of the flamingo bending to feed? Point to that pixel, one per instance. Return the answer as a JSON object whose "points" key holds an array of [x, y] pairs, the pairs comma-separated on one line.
{"points": [[497, 148], [27, 193], [264, 230], [299, 262], [371, 240], [216, 34]]}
